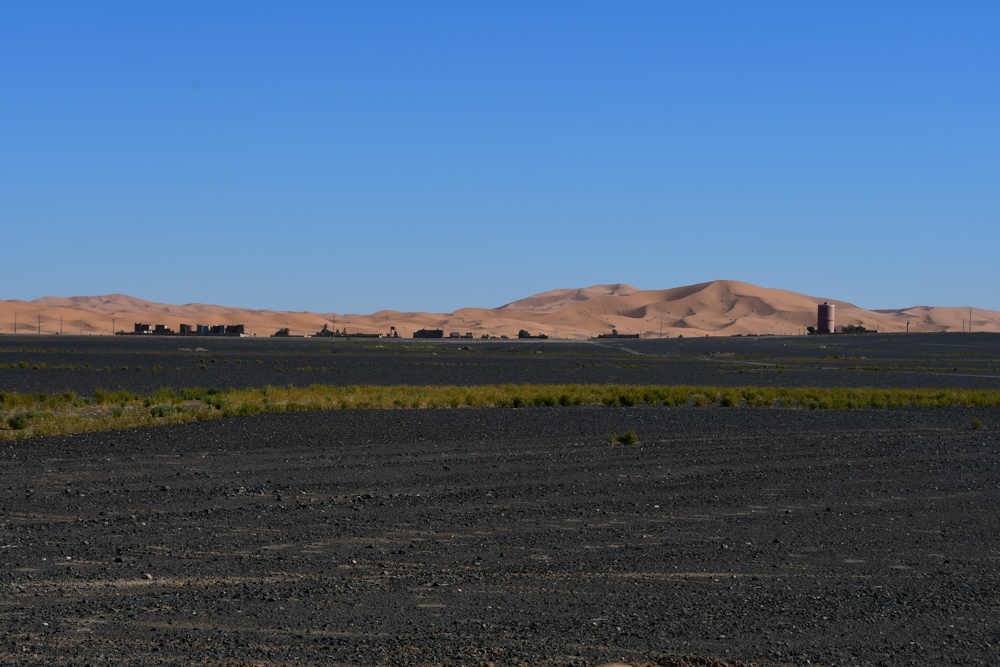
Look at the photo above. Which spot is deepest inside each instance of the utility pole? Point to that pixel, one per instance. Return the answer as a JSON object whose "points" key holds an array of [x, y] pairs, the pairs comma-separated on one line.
{"points": [[112, 326], [60, 325], [15, 321], [661, 326], [970, 320], [81, 326], [39, 323]]}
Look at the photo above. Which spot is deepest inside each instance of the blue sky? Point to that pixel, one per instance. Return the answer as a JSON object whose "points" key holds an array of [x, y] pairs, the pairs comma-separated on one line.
{"points": [[357, 156]]}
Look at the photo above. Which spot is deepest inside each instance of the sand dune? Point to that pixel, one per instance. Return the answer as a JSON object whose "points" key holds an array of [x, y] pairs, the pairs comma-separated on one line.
{"points": [[719, 308], [547, 302]]}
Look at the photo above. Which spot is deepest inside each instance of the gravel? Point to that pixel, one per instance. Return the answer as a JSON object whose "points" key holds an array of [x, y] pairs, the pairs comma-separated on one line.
{"points": [[511, 537], [143, 364]]}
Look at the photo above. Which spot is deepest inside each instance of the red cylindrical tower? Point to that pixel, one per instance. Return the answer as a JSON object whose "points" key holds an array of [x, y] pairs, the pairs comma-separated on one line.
{"points": [[824, 319]]}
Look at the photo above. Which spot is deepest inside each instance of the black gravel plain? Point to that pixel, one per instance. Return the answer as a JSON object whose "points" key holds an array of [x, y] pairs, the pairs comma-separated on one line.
{"points": [[143, 364], [507, 536], [512, 537]]}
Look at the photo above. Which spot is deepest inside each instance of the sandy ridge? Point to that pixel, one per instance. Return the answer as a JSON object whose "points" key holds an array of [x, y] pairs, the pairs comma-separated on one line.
{"points": [[720, 307]]}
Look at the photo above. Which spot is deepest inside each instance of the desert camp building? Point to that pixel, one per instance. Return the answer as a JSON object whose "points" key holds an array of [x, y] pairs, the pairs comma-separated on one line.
{"points": [[189, 330], [428, 333]]}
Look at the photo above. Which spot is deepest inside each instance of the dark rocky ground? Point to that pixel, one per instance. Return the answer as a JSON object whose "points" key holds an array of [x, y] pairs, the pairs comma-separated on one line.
{"points": [[144, 364], [508, 536]]}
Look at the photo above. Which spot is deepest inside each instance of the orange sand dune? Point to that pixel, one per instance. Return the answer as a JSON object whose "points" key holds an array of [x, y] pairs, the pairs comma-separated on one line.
{"points": [[547, 302], [720, 308]]}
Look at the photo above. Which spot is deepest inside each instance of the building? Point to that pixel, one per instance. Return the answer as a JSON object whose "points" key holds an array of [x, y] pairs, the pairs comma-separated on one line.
{"points": [[614, 334], [190, 330], [825, 318], [524, 335], [154, 329], [429, 333]]}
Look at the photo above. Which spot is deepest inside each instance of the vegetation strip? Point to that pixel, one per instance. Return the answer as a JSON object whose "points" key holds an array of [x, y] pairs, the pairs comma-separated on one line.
{"points": [[26, 415]]}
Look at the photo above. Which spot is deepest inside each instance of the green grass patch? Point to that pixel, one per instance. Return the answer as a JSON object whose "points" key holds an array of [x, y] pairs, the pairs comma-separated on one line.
{"points": [[25, 415]]}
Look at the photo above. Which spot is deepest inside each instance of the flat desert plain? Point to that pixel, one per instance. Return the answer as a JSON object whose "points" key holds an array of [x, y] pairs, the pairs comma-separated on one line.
{"points": [[508, 536], [143, 364]]}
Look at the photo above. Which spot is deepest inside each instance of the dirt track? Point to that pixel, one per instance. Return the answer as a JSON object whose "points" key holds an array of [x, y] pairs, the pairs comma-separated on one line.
{"points": [[508, 536]]}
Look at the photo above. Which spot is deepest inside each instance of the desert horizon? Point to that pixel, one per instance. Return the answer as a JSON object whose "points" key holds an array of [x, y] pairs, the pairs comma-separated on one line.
{"points": [[715, 308], [465, 334]]}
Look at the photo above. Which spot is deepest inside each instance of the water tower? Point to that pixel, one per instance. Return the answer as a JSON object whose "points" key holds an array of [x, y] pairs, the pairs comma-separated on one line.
{"points": [[824, 319]]}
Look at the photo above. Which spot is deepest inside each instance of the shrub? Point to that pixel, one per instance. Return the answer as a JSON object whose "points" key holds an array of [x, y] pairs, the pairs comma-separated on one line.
{"points": [[164, 410], [629, 437], [164, 394], [19, 421], [754, 398], [216, 402], [977, 424], [249, 409], [123, 396]]}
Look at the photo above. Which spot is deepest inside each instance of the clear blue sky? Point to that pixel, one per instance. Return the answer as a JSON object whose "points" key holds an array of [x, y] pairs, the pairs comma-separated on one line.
{"points": [[355, 156]]}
